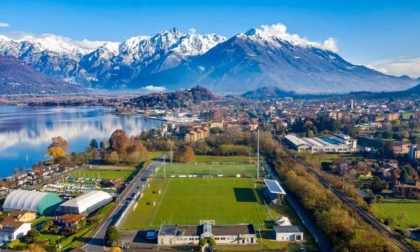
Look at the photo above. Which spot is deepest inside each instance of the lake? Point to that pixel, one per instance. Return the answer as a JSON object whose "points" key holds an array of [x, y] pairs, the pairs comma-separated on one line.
{"points": [[26, 132]]}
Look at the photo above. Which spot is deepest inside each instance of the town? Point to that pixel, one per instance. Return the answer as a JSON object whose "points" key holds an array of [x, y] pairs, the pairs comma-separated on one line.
{"points": [[124, 190]]}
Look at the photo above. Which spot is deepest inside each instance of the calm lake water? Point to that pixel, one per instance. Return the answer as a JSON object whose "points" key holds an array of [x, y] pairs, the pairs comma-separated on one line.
{"points": [[26, 132]]}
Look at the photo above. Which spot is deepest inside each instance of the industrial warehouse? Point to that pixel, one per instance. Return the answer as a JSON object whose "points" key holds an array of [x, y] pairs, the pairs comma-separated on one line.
{"points": [[337, 143], [85, 204]]}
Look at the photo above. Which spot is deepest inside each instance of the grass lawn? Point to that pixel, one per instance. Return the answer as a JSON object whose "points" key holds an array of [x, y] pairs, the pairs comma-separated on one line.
{"points": [[104, 174], [393, 210], [178, 169], [324, 157], [210, 159], [187, 201]]}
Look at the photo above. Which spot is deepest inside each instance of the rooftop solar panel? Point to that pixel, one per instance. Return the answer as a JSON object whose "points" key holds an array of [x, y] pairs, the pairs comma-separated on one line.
{"points": [[274, 186]]}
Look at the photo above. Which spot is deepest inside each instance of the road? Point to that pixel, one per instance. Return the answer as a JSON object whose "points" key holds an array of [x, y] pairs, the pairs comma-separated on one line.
{"points": [[363, 213], [97, 240]]}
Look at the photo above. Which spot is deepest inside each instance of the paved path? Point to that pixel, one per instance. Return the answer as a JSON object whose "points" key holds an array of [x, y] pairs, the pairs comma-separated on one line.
{"points": [[97, 240]]}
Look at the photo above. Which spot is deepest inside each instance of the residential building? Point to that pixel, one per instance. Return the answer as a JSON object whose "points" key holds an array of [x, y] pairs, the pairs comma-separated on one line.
{"points": [[216, 124], [401, 147], [68, 220], [22, 215], [411, 191], [11, 229], [288, 233], [414, 152]]}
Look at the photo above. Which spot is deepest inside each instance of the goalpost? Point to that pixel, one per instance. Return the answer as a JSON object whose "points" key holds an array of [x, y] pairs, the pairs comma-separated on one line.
{"points": [[212, 222], [215, 163], [207, 176]]}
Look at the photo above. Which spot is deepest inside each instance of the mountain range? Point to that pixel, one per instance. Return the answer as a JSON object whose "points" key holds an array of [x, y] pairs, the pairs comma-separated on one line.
{"points": [[266, 56], [18, 78]]}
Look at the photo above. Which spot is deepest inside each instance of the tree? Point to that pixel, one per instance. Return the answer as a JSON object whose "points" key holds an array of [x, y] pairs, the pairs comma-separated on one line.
{"points": [[212, 242], [114, 249], [59, 142], [118, 141], [216, 130], [31, 236], [388, 221], [113, 158], [136, 152], [184, 154], [93, 144], [377, 185], [35, 248], [401, 216], [403, 176], [57, 153], [112, 235]]}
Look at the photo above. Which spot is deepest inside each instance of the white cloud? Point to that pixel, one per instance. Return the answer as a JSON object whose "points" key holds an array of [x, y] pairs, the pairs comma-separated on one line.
{"points": [[154, 88], [331, 45], [398, 67], [192, 30], [280, 31], [2, 25]]}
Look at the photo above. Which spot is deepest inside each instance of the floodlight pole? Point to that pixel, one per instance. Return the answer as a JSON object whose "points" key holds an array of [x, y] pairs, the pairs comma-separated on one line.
{"points": [[171, 155], [258, 152], [164, 167]]}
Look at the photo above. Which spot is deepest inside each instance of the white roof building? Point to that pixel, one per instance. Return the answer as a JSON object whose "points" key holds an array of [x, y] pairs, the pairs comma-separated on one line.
{"points": [[86, 203]]}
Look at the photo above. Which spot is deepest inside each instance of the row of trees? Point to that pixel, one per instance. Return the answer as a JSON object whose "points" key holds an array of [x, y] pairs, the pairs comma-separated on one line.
{"points": [[319, 124]]}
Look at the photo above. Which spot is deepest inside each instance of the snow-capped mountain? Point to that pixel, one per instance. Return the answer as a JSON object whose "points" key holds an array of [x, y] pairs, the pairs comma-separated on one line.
{"points": [[53, 55], [141, 56], [266, 56], [269, 56]]}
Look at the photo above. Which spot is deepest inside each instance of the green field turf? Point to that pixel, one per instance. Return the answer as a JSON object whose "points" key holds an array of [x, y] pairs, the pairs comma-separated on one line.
{"points": [[186, 201], [209, 159], [393, 210], [103, 174], [227, 170]]}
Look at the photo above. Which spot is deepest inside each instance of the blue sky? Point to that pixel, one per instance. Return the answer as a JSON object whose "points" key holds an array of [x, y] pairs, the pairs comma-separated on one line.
{"points": [[382, 34]]}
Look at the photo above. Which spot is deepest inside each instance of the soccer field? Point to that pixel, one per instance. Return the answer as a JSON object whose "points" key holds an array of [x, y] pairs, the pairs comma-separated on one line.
{"points": [[216, 169], [186, 201]]}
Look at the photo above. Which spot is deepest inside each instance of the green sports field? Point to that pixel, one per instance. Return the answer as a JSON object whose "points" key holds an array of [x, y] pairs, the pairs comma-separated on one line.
{"points": [[215, 169], [186, 201]]}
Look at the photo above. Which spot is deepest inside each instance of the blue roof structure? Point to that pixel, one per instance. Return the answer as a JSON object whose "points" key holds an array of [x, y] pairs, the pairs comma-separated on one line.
{"points": [[207, 227], [274, 186]]}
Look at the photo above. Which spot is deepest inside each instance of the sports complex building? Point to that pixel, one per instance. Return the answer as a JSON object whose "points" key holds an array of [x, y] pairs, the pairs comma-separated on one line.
{"points": [[337, 143], [40, 202], [222, 234], [85, 204]]}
